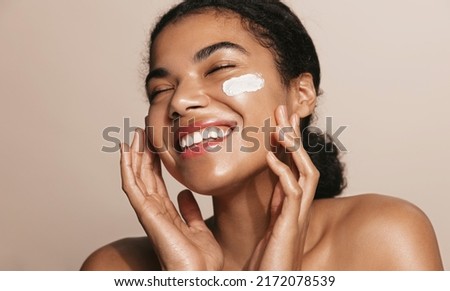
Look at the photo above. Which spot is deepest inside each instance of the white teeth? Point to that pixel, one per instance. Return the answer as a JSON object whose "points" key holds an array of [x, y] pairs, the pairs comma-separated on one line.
{"points": [[189, 140], [213, 134], [222, 133], [197, 137]]}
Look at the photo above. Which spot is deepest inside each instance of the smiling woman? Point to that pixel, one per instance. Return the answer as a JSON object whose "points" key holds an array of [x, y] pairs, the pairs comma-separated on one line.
{"points": [[220, 70]]}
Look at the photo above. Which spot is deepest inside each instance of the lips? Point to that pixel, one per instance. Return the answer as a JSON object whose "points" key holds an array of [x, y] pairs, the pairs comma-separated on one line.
{"points": [[207, 132]]}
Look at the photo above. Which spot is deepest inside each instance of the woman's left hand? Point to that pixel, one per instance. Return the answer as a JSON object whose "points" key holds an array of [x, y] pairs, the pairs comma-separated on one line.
{"points": [[283, 245]]}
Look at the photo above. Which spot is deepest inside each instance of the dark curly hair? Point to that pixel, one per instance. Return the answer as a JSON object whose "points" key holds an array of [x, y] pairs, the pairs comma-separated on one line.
{"points": [[277, 28]]}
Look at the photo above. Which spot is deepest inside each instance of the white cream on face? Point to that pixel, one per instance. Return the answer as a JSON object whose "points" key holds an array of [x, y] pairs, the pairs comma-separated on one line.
{"points": [[243, 84]]}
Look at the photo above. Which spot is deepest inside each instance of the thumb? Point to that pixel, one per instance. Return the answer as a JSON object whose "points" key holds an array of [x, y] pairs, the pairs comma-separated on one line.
{"points": [[189, 209]]}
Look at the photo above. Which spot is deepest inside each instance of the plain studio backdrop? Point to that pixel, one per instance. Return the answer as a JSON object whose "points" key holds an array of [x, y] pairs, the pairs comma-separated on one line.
{"points": [[70, 69]]}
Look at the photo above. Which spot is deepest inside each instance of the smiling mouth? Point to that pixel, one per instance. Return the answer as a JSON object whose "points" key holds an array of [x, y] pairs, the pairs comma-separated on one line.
{"points": [[207, 135]]}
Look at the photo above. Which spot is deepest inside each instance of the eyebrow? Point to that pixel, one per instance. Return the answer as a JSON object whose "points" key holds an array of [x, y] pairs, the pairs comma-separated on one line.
{"points": [[206, 52], [201, 55], [156, 73]]}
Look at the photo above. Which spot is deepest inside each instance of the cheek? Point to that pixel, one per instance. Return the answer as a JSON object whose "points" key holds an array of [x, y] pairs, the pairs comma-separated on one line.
{"points": [[157, 130], [243, 84]]}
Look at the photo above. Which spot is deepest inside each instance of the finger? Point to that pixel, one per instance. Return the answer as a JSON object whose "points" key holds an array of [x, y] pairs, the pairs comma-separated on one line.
{"points": [[307, 183], [276, 203], [152, 178], [309, 175], [137, 151], [147, 169], [286, 130], [150, 149], [129, 184], [160, 184], [284, 240], [281, 116], [295, 123], [154, 182], [301, 157], [305, 165], [137, 155], [152, 165], [189, 209], [289, 138], [291, 188], [286, 134]]}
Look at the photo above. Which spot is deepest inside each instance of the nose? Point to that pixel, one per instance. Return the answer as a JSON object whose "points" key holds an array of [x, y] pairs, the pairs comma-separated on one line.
{"points": [[188, 96]]}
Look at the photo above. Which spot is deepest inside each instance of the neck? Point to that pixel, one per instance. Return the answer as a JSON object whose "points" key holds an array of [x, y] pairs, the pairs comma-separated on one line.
{"points": [[241, 218]]}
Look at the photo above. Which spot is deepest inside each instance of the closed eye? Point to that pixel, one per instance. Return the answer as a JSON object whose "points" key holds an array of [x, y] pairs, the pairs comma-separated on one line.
{"points": [[220, 67], [157, 92]]}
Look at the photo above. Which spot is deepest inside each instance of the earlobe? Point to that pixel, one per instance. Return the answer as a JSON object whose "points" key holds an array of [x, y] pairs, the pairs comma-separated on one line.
{"points": [[303, 97]]}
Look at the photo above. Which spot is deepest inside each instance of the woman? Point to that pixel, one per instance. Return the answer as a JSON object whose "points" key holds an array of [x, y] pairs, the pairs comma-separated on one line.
{"points": [[232, 88]]}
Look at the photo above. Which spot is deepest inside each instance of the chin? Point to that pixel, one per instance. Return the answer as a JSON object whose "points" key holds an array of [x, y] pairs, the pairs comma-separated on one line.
{"points": [[206, 186], [215, 184], [220, 175]]}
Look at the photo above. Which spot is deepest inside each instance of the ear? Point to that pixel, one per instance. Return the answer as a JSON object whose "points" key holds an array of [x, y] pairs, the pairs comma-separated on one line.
{"points": [[302, 96]]}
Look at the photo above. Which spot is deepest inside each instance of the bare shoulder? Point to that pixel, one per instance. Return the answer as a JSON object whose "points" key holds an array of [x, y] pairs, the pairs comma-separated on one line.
{"points": [[377, 232], [128, 254]]}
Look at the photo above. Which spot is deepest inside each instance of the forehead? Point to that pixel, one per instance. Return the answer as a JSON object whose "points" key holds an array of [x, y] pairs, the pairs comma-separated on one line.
{"points": [[193, 32]]}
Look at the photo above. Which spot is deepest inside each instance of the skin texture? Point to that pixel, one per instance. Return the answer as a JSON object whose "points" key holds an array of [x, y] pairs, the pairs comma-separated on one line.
{"points": [[265, 217]]}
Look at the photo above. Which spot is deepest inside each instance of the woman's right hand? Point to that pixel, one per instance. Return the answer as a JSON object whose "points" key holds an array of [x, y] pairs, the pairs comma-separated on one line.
{"points": [[180, 244]]}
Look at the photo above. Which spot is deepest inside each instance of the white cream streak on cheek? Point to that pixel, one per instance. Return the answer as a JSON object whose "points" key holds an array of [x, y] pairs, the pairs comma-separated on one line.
{"points": [[243, 84]]}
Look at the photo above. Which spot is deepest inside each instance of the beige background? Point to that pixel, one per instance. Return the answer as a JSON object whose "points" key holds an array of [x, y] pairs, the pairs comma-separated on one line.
{"points": [[69, 69]]}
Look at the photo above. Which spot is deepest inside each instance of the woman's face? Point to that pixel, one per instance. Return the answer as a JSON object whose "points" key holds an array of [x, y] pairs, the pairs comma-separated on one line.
{"points": [[209, 77]]}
